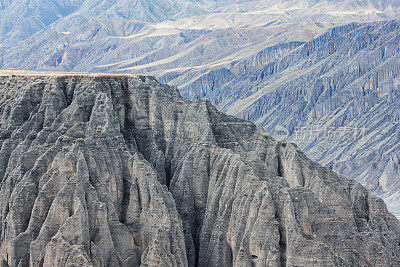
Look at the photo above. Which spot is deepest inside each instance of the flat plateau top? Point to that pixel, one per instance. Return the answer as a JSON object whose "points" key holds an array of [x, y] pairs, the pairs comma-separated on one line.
{"points": [[15, 72]]}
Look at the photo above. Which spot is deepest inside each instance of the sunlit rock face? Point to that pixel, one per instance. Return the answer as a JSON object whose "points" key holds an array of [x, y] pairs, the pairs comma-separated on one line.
{"points": [[111, 170]]}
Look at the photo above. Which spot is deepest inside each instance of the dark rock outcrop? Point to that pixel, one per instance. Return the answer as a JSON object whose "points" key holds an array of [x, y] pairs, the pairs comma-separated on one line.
{"points": [[108, 170]]}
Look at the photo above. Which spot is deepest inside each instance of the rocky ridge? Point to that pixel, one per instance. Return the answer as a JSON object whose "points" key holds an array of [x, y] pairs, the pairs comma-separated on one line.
{"points": [[255, 65], [112, 170], [344, 82]]}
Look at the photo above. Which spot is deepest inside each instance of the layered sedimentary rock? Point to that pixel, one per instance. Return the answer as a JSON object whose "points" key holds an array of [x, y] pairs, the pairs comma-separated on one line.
{"points": [[266, 61], [99, 34], [107, 170], [336, 95], [257, 60]]}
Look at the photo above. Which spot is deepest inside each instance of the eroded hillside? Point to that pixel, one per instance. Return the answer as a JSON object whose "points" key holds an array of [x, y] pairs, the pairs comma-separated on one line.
{"points": [[111, 170]]}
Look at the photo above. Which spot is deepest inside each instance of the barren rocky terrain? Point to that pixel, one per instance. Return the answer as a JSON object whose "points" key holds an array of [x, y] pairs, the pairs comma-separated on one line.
{"points": [[120, 170], [310, 65], [336, 95]]}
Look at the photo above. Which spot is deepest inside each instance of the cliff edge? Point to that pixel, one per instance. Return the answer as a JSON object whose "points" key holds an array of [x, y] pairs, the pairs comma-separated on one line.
{"points": [[112, 170]]}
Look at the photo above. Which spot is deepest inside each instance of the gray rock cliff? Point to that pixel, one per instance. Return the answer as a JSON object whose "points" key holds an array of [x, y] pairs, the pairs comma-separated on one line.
{"points": [[112, 170], [249, 58], [342, 88]]}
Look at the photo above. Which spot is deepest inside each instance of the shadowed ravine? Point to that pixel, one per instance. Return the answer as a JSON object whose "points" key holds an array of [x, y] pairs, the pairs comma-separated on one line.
{"points": [[111, 170]]}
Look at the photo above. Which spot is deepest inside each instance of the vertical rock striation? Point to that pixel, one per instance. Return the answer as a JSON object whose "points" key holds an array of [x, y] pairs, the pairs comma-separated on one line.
{"points": [[337, 96], [108, 170]]}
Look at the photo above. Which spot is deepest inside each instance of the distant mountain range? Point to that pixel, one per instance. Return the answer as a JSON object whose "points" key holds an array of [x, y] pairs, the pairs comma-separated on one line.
{"points": [[310, 66], [21, 19]]}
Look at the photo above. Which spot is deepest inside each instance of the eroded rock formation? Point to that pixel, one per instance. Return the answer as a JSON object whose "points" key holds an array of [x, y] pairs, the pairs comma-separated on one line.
{"points": [[108, 170]]}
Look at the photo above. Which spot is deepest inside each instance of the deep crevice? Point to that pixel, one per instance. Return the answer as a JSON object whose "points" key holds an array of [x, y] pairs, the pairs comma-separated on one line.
{"points": [[126, 185], [279, 161], [282, 238]]}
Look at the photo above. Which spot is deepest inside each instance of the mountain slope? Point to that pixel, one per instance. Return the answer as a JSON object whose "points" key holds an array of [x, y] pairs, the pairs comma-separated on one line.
{"points": [[266, 61], [345, 82], [21, 19], [112, 170]]}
